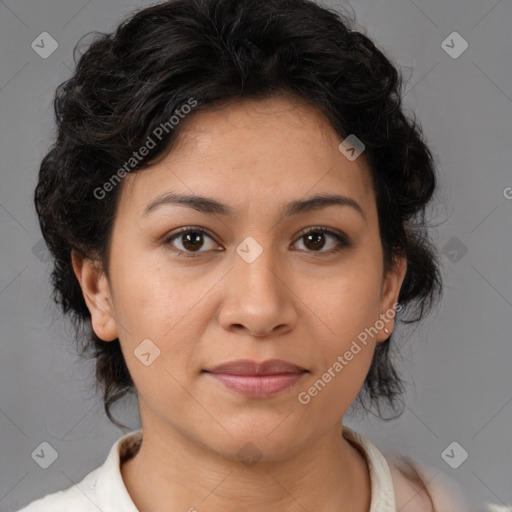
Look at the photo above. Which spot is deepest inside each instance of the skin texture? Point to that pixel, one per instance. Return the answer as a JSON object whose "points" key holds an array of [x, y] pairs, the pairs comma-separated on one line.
{"points": [[295, 302]]}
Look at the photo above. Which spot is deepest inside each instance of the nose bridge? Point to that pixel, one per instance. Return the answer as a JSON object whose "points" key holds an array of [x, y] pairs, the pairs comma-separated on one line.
{"points": [[256, 297], [255, 267]]}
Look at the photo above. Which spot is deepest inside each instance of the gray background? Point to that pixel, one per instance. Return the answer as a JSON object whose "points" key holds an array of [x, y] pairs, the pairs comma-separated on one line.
{"points": [[457, 364]]}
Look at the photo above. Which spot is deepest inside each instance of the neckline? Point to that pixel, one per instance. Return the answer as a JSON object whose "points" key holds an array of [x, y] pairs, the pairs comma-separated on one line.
{"points": [[382, 489]]}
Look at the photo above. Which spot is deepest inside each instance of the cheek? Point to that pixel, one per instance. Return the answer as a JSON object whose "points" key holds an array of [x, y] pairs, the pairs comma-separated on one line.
{"points": [[166, 305], [348, 302], [348, 306], [345, 362], [151, 300]]}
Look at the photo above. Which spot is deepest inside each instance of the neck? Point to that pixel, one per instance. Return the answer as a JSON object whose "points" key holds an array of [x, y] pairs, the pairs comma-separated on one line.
{"points": [[171, 472]]}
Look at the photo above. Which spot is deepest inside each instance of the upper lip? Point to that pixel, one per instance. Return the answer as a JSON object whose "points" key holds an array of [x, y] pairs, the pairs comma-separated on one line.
{"points": [[250, 367]]}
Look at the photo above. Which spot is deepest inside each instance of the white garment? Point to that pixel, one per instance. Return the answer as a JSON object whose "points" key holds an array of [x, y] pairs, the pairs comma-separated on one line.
{"points": [[103, 489]]}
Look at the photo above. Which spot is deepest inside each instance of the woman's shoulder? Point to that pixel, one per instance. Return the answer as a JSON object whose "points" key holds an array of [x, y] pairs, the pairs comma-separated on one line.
{"points": [[421, 488], [101, 489], [405, 485], [60, 501], [76, 498]]}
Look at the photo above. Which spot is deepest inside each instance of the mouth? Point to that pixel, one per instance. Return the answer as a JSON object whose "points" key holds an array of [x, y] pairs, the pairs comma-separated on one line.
{"points": [[257, 380]]}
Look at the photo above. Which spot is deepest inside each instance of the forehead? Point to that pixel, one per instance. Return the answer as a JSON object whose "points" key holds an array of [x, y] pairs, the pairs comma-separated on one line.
{"points": [[273, 150]]}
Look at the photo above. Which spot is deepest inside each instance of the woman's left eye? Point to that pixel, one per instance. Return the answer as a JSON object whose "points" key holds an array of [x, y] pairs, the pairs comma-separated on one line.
{"points": [[191, 239], [317, 236]]}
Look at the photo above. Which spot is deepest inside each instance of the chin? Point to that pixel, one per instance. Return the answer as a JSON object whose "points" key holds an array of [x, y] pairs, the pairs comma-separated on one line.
{"points": [[252, 442]]}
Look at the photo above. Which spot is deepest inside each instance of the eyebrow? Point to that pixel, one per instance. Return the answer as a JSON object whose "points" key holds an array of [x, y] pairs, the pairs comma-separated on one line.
{"points": [[210, 205]]}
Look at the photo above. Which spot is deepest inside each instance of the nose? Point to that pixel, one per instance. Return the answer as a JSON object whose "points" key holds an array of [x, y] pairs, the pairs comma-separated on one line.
{"points": [[258, 297]]}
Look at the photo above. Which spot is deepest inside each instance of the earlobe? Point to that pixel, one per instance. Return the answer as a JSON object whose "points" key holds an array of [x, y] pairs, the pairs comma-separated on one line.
{"points": [[96, 292], [389, 297]]}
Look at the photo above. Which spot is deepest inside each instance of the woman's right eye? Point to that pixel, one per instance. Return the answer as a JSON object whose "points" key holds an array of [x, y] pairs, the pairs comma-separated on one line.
{"points": [[191, 239]]}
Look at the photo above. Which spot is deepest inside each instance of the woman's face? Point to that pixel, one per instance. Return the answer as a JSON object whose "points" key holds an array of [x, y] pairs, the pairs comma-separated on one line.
{"points": [[258, 287]]}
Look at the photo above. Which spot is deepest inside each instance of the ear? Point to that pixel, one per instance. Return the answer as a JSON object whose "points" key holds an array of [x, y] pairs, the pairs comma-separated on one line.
{"points": [[389, 296], [97, 295]]}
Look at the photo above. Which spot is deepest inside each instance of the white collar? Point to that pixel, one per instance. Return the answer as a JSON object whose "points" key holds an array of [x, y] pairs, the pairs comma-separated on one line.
{"points": [[382, 490], [111, 492], [112, 495]]}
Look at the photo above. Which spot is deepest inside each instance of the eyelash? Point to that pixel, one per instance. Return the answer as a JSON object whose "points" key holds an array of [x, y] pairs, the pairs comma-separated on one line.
{"points": [[341, 239]]}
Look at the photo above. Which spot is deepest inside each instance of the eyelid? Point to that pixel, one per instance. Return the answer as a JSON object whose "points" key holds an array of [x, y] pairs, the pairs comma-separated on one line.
{"points": [[175, 234], [344, 242], [342, 239], [323, 229]]}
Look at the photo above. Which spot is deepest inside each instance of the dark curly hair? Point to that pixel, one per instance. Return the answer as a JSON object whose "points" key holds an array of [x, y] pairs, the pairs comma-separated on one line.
{"points": [[131, 81]]}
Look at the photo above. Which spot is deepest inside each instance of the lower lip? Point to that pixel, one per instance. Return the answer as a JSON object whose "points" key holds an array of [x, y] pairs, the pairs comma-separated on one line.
{"points": [[258, 386]]}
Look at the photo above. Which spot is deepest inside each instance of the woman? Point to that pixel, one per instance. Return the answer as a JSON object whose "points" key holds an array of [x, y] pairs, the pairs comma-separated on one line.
{"points": [[235, 207]]}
